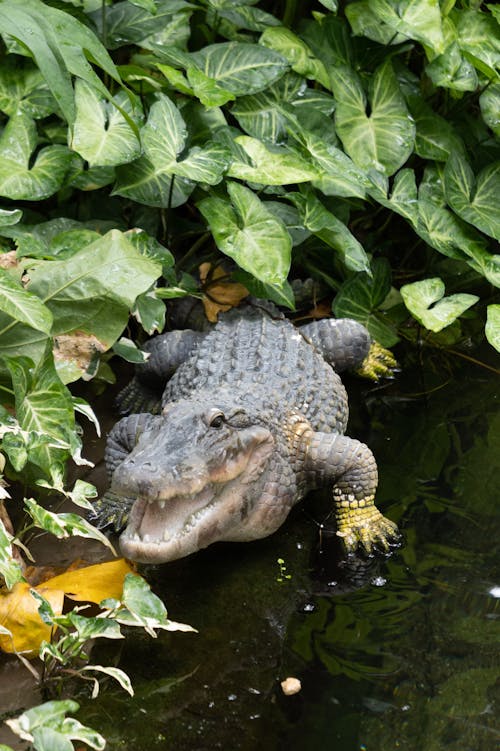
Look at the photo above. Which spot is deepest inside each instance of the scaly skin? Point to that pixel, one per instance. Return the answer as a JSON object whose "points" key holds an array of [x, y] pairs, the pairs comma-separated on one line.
{"points": [[252, 419]]}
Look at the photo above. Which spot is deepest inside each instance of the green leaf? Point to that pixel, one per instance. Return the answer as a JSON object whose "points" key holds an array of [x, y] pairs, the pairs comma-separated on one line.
{"points": [[426, 302], [474, 199], [129, 351], [240, 67], [338, 175], [435, 138], [361, 295], [107, 274], [47, 728], [265, 115], [207, 89], [242, 16], [299, 55], [49, 713], [479, 39], [150, 312], [23, 89], [149, 179], [382, 140], [141, 607], [492, 328], [90, 627], [119, 675], [248, 232], [271, 165], [22, 305], [9, 217], [415, 19], [280, 295], [128, 23], [365, 22], [147, 183], [63, 526], [60, 45], [331, 230], [489, 102], [176, 79], [101, 135], [404, 196], [452, 71], [20, 180], [43, 406], [9, 568]]}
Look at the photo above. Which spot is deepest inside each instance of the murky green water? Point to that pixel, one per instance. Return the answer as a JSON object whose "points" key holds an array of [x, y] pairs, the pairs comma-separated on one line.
{"points": [[400, 655]]}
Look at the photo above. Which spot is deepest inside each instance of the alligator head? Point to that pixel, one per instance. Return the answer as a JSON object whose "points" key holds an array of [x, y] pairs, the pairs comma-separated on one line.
{"points": [[198, 475]]}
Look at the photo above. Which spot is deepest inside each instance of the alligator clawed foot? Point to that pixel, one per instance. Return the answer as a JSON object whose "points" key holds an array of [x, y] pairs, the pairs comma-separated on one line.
{"points": [[370, 532], [379, 363]]}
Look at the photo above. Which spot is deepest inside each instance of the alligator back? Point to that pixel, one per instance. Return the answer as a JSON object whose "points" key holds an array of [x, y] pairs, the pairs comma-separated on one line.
{"points": [[260, 355]]}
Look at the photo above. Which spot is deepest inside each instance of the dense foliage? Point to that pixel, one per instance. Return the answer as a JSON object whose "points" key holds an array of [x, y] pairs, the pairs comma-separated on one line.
{"points": [[351, 142], [356, 143]]}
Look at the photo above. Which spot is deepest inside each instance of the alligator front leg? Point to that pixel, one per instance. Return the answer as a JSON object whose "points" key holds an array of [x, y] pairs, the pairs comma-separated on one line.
{"points": [[351, 467], [347, 345], [165, 353]]}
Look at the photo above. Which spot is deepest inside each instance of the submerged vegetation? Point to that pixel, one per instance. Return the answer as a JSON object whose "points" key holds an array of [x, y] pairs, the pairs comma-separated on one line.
{"points": [[354, 143]]}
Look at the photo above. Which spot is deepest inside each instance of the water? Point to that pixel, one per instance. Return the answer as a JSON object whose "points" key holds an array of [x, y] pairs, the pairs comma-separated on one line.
{"points": [[400, 653]]}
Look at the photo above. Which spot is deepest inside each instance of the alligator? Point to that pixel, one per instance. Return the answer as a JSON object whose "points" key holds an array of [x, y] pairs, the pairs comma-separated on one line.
{"points": [[251, 417]]}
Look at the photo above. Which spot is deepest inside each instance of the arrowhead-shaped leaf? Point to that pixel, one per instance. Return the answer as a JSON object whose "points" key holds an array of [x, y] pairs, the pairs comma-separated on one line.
{"points": [[476, 200], [101, 135], [248, 232], [240, 67], [426, 302], [43, 406], [20, 181], [382, 140], [415, 19], [22, 88]]}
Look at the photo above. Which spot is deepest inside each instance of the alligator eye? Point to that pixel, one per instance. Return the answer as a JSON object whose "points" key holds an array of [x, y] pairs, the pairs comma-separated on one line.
{"points": [[217, 421]]}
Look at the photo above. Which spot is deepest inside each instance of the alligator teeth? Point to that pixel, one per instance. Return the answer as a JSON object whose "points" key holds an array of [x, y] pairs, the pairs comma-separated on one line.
{"points": [[161, 504], [166, 535], [146, 538]]}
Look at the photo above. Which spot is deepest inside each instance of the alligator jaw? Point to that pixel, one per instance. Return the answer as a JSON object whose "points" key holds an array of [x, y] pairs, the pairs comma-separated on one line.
{"points": [[175, 523], [160, 530]]}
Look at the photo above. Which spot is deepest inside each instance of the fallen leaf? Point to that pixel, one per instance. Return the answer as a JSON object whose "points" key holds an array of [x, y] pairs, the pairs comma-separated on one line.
{"points": [[19, 614], [93, 583], [219, 292], [291, 686], [19, 609]]}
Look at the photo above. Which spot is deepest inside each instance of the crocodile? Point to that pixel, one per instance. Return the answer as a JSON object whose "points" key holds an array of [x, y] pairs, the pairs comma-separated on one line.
{"points": [[251, 417]]}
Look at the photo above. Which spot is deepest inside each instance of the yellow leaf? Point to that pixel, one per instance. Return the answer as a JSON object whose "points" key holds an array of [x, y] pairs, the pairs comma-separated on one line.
{"points": [[93, 583], [19, 609], [19, 613], [219, 292]]}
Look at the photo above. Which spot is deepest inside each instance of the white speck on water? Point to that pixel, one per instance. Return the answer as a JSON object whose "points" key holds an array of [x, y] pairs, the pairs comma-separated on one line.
{"points": [[495, 591], [378, 581]]}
